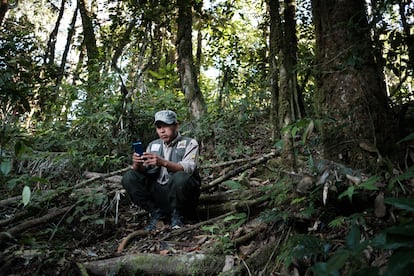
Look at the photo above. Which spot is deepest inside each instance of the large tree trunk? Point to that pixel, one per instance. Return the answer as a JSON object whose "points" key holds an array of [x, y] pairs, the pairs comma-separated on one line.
{"points": [[89, 40], [407, 26], [350, 98], [51, 44], [274, 38], [287, 101], [71, 33], [4, 7], [187, 70]]}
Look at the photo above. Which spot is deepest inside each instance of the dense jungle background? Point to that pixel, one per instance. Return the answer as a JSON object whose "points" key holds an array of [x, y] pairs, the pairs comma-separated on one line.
{"points": [[303, 110]]}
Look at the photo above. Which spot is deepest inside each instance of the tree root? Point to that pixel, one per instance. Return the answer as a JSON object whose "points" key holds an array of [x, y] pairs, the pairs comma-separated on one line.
{"points": [[184, 264]]}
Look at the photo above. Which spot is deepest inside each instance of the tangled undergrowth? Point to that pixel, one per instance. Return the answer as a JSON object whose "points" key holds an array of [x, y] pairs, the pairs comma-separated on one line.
{"points": [[255, 217]]}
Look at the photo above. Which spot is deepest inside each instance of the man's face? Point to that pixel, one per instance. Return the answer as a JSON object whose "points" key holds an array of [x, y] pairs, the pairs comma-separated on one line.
{"points": [[166, 132]]}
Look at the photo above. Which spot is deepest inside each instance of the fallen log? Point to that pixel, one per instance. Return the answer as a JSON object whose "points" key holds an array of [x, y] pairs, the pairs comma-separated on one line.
{"points": [[183, 264], [238, 170]]}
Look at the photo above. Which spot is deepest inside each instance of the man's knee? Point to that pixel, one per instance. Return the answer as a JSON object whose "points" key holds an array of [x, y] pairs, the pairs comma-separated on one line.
{"points": [[131, 178], [180, 177]]}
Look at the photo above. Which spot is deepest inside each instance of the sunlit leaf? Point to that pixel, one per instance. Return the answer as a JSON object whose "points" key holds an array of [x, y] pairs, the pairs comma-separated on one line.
{"points": [[26, 195]]}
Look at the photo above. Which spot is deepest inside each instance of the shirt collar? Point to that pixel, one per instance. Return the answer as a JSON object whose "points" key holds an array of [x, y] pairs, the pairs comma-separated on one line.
{"points": [[173, 142]]}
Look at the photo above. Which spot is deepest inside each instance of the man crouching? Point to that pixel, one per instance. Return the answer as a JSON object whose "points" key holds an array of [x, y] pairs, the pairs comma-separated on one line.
{"points": [[164, 180]]}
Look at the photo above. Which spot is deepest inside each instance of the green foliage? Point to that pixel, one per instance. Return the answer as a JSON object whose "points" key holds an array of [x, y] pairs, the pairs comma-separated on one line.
{"points": [[408, 174], [304, 247], [368, 185], [18, 67], [399, 239], [220, 232], [88, 207]]}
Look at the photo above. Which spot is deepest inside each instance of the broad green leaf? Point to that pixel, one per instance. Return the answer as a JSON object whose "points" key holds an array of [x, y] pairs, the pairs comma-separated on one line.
{"points": [[353, 238], [348, 192], [394, 238], [401, 203], [407, 138], [322, 269], [26, 195], [408, 174], [403, 230], [5, 166], [234, 185], [279, 144], [235, 217], [368, 271], [370, 183], [397, 264], [19, 149], [337, 261]]}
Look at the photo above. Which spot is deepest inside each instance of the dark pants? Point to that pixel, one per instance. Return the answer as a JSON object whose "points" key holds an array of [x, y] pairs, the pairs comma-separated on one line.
{"points": [[181, 192]]}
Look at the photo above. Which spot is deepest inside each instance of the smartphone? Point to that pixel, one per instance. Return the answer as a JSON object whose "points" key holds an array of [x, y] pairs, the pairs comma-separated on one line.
{"points": [[138, 148]]}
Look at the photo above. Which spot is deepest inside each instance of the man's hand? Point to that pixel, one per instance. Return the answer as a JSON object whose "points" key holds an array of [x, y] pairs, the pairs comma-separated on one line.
{"points": [[138, 162], [152, 159]]}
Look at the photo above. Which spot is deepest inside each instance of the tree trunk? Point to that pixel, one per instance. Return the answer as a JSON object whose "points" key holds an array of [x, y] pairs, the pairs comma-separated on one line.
{"points": [[90, 44], [407, 26], [4, 7], [51, 44], [283, 38], [71, 33], [186, 68], [274, 37], [350, 97]]}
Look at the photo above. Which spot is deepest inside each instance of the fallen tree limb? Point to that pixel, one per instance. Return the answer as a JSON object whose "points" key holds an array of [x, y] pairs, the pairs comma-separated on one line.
{"points": [[258, 262], [236, 205], [226, 196], [177, 232], [100, 176], [113, 178], [34, 222], [226, 163], [10, 201], [250, 235], [130, 237], [136, 264], [238, 170]]}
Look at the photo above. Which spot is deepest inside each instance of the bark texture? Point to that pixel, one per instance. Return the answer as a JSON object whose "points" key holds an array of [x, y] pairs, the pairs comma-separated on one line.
{"points": [[351, 97], [187, 70]]}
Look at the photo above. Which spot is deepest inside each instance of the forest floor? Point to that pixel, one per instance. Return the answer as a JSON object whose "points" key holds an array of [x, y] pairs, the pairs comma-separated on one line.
{"points": [[250, 210]]}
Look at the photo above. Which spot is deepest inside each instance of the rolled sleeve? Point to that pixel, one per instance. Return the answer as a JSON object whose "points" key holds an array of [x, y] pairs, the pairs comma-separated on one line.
{"points": [[190, 159]]}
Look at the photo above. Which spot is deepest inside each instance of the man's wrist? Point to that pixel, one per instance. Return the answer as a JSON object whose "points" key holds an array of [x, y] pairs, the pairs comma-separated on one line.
{"points": [[165, 164]]}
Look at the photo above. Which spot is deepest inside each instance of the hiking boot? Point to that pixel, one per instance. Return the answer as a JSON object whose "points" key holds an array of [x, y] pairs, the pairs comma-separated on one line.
{"points": [[155, 217], [176, 220]]}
